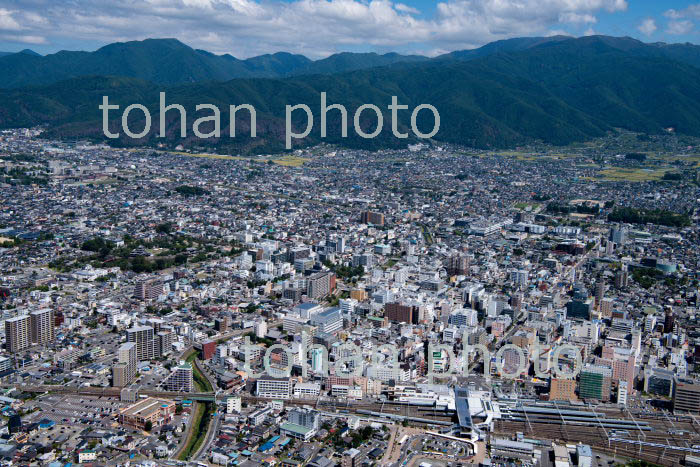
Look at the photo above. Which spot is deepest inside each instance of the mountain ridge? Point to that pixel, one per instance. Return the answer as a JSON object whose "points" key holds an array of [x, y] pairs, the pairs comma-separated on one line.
{"points": [[169, 61], [557, 91]]}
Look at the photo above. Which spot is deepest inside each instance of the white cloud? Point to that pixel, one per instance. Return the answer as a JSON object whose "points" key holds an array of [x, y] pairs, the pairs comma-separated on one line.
{"points": [[23, 38], [407, 9], [692, 11], [313, 27], [558, 32], [680, 21], [7, 22], [679, 27], [648, 27], [577, 18]]}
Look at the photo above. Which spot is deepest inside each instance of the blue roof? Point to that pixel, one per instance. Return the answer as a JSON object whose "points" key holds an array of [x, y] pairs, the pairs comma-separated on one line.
{"points": [[462, 407]]}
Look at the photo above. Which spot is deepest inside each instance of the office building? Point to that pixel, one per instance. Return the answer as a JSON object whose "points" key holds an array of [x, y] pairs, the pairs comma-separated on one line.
{"points": [[561, 389], [274, 388], [659, 381], [328, 321], [595, 382], [686, 396], [209, 349]]}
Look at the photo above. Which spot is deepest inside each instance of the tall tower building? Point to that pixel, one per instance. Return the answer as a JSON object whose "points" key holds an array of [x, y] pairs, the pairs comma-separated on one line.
{"points": [[17, 333], [124, 371], [41, 326], [622, 277], [457, 265], [669, 320], [181, 379], [599, 293], [143, 337]]}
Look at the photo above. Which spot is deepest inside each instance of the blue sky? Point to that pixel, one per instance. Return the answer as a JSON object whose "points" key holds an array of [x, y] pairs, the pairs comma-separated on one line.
{"points": [[317, 28]]}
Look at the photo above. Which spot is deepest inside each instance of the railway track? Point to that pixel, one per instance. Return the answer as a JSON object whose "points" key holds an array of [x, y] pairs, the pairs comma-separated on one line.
{"points": [[597, 438]]}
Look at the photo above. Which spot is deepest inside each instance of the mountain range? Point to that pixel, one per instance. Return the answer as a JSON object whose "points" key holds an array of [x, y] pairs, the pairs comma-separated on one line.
{"points": [[169, 61], [556, 89]]}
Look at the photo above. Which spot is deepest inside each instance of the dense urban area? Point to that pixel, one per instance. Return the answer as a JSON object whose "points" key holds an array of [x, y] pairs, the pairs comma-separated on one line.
{"points": [[429, 306]]}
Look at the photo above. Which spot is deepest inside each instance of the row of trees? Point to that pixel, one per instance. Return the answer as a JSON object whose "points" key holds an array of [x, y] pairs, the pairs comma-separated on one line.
{"points": [[649, 216]]}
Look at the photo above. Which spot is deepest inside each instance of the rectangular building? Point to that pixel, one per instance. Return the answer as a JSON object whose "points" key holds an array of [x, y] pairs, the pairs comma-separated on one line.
{"points": [[17, 333], [157, 411]]}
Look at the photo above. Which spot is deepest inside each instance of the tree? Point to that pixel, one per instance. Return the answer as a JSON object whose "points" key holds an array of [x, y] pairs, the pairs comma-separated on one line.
{"points": [[148, 426]]}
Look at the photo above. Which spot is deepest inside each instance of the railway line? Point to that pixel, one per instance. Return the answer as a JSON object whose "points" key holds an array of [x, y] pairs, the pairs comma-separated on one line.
{"points": [[666, 442]]}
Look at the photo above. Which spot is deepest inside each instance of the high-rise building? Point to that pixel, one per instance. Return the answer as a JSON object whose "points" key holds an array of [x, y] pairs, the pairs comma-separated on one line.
{"points": [[317, 360], [594, 383], [164, 341], [208, 350], [41, 326], [370, 217], [519, 277], [599, 294], [124, 371], [401, 313], [464, 317], [307, 418], [146, 344], [221, 324], [17, 333], [301, 424], [618, 235], [320, 284], [457, 265], [181, 379], [14, 424], [621, 278], [669, 320], [606, 307], [686, 396], [148, 289], [561, 389]]}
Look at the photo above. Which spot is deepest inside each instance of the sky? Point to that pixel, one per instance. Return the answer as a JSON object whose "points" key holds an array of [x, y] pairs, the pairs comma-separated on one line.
{"points": [[318, 28]]}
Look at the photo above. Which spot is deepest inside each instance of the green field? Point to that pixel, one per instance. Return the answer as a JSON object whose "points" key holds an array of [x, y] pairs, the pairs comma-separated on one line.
{"points": [[620, 174]]}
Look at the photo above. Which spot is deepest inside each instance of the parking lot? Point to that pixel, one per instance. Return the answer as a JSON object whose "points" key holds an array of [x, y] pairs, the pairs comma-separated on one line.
{"points": [[83, 410]]}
